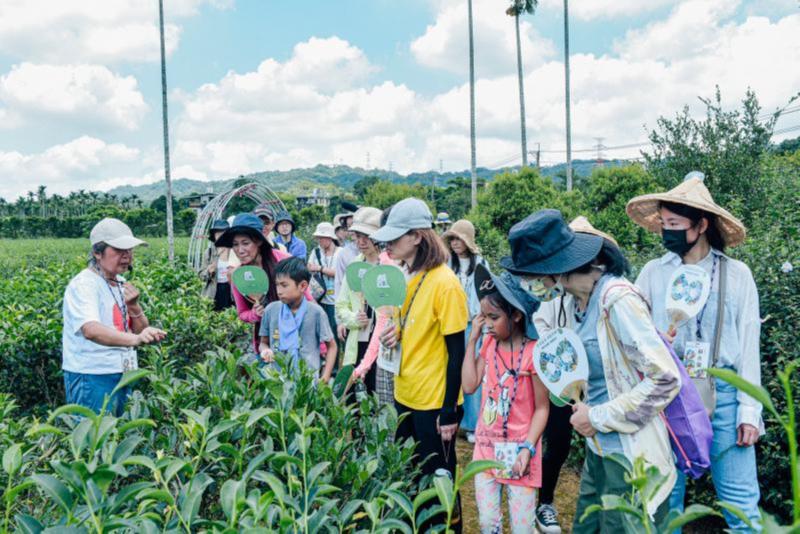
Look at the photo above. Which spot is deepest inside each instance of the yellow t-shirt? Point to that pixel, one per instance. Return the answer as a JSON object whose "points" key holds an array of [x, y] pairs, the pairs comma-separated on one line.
{"points": [[440, 309]]}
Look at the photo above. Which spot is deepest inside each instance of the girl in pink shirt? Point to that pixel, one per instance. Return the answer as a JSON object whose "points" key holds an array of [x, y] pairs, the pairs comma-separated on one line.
{"points": [[514, 403]]}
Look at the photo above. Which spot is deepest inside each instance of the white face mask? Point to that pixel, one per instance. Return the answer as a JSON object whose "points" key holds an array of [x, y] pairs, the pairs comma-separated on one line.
{"points": [[540, 292]]}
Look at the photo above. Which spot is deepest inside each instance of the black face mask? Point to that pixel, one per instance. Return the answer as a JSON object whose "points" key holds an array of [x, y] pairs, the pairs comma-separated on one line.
{"points": [[675, 241]]}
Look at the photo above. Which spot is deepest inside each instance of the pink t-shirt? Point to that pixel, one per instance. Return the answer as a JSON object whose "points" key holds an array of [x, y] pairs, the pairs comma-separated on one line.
{"points": [[520, 414]]}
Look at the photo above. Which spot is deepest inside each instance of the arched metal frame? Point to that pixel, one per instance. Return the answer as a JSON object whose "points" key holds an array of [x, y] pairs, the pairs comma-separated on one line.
{"points": [[258, 193]]}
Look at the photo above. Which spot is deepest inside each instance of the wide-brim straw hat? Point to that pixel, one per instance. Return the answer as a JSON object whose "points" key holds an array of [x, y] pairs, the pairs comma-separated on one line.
{"points": [[465, 231], [582, 225], [643, 210]]}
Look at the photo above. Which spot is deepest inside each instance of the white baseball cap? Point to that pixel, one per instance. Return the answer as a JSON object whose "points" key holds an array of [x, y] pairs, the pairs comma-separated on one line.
{"points": [[115, 233]]}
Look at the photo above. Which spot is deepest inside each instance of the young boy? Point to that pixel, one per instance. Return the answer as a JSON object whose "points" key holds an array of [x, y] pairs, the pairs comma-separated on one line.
{"points": [[294, 325]]}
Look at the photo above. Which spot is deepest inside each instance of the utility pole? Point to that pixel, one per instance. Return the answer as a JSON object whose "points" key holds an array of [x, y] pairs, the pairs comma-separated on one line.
{"points": [[599, 147], [538, 155], [167, 177], [472, 139], [567, 95]]}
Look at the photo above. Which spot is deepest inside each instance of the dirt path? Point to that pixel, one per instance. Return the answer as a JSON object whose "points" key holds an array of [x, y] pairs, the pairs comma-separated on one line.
{"points": [[566, 494]]}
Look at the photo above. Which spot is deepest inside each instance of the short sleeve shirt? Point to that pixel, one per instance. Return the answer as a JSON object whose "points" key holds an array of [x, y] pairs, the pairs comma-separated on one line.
{"points": [[439, 309], [314, 330], [88, 298], [522, 408]]}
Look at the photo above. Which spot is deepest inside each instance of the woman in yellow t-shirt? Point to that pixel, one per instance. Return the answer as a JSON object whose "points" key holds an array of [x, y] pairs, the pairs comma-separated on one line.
{"points": [[431, 336]]}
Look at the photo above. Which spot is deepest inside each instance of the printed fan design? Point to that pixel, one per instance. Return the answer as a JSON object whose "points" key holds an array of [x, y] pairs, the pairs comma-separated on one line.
{"points": [[565, 359], [686, 291]]}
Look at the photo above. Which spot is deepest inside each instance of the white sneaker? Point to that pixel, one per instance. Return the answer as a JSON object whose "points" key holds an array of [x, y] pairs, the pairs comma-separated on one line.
{"points": [[471, 437], [547, 519]]}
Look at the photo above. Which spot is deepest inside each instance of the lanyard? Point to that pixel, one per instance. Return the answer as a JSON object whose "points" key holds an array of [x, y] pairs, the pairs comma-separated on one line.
{"points": [[404, 318], [703, 311], [123, 308], [514, 374]]}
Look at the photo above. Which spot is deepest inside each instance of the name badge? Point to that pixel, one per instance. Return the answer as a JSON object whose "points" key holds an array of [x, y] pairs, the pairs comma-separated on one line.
{"points": [[505, 452], [130, 362], [697, 358]]}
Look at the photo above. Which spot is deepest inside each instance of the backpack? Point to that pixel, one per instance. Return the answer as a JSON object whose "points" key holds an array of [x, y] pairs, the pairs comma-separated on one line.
{"points": [[686, 419]]}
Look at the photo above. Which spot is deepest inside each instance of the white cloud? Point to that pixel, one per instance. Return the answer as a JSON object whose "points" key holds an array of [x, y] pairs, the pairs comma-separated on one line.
{"points": [[606, 9], [89, 93], [63, 168], [445, 43], [70, 31]]}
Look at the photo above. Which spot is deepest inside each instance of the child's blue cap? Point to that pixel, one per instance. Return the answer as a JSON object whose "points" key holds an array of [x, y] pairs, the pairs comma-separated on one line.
{"points": [[510, 289]]}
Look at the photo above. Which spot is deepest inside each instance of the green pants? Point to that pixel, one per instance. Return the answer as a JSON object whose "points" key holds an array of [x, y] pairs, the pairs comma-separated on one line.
{"points": [[602, 476]]}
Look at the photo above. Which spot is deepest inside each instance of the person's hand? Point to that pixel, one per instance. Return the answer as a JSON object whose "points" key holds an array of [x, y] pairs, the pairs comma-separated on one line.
{"points": [[390, 336], [267, 355], [341, 331], [520, 466], [150, 335], [670, 334], [314, 268], [212, 268], [258, 309], [363, 320], [130, 293], [746, 435], [448, 432], [477, 328], [580, 420], [326, 377]]}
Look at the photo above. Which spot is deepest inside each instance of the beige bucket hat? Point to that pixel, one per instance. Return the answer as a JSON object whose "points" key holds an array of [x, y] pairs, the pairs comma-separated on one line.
{"points": [[325, 229], [582, 225], [366, 220], [465, 231], [643, 210]]}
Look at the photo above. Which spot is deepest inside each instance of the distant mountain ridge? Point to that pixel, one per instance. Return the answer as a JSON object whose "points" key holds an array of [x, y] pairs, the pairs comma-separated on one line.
{"points": [[330, 178]]}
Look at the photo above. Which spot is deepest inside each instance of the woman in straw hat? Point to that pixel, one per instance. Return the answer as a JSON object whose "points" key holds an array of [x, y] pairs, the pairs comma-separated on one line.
{"points": [[464, 257], [558, 313], [696, 231], [626, 389], [322, 262]]}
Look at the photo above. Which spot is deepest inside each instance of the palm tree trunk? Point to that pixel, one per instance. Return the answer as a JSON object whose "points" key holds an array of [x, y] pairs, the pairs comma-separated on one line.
{"points": [[170, 232], [567, 96], [523, 136], [472, 168]]}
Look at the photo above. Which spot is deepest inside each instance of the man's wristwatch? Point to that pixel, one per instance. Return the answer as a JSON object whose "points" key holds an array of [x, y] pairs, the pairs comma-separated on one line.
{"points": [[527, 445]]}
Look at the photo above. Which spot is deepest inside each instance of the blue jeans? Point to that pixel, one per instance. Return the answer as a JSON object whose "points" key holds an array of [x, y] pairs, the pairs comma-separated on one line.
{"points": [[733, 468], [91, 390]]}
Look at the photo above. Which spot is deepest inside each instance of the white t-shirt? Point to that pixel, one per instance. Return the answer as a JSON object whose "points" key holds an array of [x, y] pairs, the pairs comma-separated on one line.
{"points": [[88, 298]]}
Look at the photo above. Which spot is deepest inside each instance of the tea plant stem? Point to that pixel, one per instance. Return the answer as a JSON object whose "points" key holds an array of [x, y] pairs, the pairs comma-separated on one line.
{"points": [[8, 504], [791, 437]]}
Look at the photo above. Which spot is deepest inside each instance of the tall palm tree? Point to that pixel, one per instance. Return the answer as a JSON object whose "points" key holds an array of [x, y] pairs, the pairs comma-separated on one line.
{"points": [[517, 8], [170, 232], [566, 95], [472, 167]]}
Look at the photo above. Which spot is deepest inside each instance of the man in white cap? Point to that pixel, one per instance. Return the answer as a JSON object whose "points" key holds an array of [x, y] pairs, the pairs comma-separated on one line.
{"points": [[103, 321]]}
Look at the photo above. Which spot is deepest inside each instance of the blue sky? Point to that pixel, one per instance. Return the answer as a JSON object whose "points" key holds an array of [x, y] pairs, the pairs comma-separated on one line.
{"points": [[269, 84]]}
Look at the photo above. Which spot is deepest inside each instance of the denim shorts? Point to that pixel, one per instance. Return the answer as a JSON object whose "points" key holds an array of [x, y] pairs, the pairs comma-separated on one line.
{"points": [[91, 390]]}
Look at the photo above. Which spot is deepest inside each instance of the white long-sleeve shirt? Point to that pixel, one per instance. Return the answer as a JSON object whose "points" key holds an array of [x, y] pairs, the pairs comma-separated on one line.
{"points": [[741, 327]]}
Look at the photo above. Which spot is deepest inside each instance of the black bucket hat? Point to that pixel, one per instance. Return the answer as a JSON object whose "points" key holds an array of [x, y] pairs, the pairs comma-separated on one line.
{"points": [[244, 223], [542, 243], [284, 216], [217, 225], [510, 289]]}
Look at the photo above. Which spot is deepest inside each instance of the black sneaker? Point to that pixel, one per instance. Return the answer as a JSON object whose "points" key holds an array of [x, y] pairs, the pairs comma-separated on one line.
{"points": [[547, 519]]}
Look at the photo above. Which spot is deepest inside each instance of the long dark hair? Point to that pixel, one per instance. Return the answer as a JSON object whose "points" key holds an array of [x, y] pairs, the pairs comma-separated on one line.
{"points": [[695, 215], [456, 265], [268, 264]]}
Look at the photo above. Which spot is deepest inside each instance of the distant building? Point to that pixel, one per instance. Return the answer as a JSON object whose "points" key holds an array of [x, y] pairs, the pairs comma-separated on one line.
{"points": [[317, 198], [198, 201]]}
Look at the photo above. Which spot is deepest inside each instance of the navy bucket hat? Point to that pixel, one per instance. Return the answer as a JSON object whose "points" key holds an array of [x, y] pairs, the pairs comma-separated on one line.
{"points": [[217, 226], [284, 216], [542, 243], [245, 223], [510, 289]]}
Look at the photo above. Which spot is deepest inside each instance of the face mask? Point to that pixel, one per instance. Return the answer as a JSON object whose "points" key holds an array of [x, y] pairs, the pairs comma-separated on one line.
{"points": [[542, 293], [675, 241]]}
